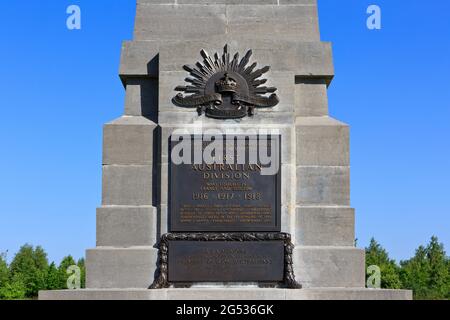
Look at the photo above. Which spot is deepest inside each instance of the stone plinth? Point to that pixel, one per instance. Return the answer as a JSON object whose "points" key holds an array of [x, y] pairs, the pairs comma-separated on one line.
{"points": [[229, 294]]}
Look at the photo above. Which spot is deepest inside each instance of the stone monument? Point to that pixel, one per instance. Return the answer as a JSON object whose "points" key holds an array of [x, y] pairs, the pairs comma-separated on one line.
{"points": [[252, 76]]}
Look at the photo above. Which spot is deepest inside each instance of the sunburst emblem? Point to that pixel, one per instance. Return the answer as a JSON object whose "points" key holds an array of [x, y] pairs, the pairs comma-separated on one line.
{"points": [[225, 88]]}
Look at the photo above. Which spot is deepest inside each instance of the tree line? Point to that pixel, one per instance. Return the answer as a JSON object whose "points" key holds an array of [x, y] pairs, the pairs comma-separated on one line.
{"points": [[427, 273], [30, 271]]}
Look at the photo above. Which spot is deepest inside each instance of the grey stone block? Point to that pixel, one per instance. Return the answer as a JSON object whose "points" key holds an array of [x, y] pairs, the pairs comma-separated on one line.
{"points": [[168, 81], [164, 183], [348, 294], [120, 226], [231, 2], [298, 2], [325, 226], [287, 212], [129, 140], [311, 97], [163, 212], [139, 59], [323, 186], [307, 59], [221, 293], [260, 119], [142, 98], [228, 2], [322, 141], [298, 23], [157, 1], [120, 267], [329, 267], [285, 83], [288, 184], [130, 185], [179, 21], [226, 294], [103, 294]]}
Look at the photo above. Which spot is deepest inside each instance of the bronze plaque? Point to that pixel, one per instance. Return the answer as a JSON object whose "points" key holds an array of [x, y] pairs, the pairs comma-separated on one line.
{"points": [[225, 261], [226, 197]]}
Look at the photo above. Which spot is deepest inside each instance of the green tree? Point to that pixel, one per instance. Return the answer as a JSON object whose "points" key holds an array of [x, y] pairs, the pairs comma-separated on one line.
{"points": [[377, 255], [52, 280], [62, 270], [4, 271], [447, 296], [30, 266], [14, 289], [414, 273], [427, 273], [81, 264]]}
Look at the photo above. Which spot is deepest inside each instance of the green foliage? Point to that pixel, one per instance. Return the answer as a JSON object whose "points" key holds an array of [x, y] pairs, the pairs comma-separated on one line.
{"points": [[81, 264], [14, 289], [30, 272], [30, 266], [427, 273], [63, 266], [4, 271], [377, 255], [53, 281]]}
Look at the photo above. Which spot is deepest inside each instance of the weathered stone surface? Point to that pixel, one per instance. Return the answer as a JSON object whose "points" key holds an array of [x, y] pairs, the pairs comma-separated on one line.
{"points": [[130, 185], [197, 21], [298, 23], [297, 2], [260, 119], [139, 59], [229, 2], [323, 186], [287, 212], [288, 184], [329, 267], [179, 21], [157, 1], [307, 59], [311, 97], [322, 141], [122, 226], [120, 267], [325, 226], [256, 294], [164, 183], [163, 213], [285, 83], [232, 2], [129, 140], [142, 98]]}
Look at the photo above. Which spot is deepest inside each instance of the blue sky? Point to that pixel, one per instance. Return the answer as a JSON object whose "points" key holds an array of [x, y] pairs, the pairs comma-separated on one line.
{"points": [[58, 87]]}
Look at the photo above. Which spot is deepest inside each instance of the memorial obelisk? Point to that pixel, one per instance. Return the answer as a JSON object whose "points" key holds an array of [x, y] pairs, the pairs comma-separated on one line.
{"points": [[229, 88]]}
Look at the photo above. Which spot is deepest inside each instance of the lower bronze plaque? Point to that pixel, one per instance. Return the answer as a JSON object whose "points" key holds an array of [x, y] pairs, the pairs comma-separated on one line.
{"points": [[222, 261], [186, 258]]}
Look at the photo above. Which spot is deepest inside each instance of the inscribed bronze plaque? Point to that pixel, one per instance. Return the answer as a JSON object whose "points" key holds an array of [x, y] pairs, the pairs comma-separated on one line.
{"points": [[229, 196], [224, 261]]}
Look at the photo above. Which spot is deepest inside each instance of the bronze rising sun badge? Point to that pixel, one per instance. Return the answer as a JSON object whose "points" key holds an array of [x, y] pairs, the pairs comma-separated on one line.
{"points": [[225, 88]]}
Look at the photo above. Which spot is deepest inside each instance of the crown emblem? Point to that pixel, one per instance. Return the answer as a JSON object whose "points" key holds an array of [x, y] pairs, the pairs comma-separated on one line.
{"points": [[226, 84]]}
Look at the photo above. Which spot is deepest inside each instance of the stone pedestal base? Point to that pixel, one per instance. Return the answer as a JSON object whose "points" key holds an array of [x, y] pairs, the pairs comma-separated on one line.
{"points": [[228, 294]]}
